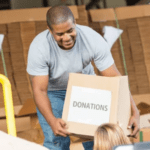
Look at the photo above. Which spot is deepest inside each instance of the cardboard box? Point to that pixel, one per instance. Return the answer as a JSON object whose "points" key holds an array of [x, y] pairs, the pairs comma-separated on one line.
{"points": [[21, 110], [93, 100], [145, 121], [144, 135], [22, 124], [34, 14], [29, 107], [142, 98], [16, 111], [76, 146], [9, 142]]}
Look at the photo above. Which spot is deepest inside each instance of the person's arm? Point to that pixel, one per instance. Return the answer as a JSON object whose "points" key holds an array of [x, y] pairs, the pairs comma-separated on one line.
{"points": [[135, 119], [39, 86]]}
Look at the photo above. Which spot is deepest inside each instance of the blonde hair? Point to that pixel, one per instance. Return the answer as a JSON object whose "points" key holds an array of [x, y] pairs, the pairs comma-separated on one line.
{"points": [[109, 135]]}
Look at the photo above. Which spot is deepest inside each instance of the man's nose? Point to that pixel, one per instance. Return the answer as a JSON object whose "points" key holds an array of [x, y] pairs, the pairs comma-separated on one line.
{"points": [[66, 37]]}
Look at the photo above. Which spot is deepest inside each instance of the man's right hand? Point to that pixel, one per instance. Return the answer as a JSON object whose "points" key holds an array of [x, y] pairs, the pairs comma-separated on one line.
{"points": [[59, 127]]}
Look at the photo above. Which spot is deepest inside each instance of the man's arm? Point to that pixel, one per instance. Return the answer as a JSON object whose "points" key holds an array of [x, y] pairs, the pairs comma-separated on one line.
{"points": [[134, 121], [39, 86]]}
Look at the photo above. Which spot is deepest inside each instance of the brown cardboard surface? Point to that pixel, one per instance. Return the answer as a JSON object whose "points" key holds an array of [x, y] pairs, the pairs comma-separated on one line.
{"points": [[28, 33], [76, 146], [145, 121], [144, 29], [102, 15], [33, 135], [28, 108], [16, 110], [124, 105], [146, 135], [97, 82], [142, 98], [143, 108], [137, 56], [132, 12], [40, 26], [75, 139], [35, 122], [83, 17], [22, 124], [14, 37], [23, 15], [3, 30]]}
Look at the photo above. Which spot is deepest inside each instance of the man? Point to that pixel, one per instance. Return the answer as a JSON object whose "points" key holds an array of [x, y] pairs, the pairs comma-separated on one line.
{"points": [[65, 47]]}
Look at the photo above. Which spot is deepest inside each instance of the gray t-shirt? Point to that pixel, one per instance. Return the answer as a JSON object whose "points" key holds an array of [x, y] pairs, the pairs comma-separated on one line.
{"points": [[45, 57]]}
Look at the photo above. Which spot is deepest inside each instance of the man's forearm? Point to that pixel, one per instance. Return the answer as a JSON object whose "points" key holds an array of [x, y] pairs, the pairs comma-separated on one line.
{"points": [[43, 104], [135, 111]]}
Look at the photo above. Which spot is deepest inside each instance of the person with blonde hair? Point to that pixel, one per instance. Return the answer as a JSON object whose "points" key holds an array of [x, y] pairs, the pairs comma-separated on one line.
{"points": [[109, 135]]}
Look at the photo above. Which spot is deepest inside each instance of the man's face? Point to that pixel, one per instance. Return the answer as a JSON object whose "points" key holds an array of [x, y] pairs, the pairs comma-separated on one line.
{"points": [[64, 34]]}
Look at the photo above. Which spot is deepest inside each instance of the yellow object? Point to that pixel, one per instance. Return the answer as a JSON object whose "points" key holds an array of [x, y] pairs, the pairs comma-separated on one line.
{"points": [[10, 119]]}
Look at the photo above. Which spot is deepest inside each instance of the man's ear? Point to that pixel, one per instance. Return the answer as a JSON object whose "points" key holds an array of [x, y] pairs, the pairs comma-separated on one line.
{"points": [[75, 22], [49, 29]]}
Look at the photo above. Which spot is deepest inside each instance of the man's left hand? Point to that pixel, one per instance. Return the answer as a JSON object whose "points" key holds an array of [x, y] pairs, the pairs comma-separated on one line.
{"points": [[134, 124]]}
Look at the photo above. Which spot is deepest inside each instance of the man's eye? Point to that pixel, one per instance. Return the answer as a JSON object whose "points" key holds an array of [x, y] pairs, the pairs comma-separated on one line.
{"points": [[59, 34], [70, 30]]}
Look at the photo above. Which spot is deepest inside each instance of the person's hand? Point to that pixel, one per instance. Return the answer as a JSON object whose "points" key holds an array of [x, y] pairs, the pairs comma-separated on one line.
{"points": [[59, 127], [134, 124]]}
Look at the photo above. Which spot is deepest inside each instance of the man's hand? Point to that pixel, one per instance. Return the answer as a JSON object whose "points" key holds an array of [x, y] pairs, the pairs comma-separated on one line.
{"points": [[135, 119], [59, 127], [135, 124]]}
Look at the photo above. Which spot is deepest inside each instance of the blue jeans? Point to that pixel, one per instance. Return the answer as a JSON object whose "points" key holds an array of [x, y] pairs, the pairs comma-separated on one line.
{"points": [[51, 141]]}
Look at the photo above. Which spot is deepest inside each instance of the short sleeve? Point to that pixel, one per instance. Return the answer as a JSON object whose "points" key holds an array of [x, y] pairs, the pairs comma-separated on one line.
{"points": [[36, 62], [103, 58]]}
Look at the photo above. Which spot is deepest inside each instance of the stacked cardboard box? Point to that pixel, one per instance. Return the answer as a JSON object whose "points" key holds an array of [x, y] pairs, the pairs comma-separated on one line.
{"points": [[108, 19], [137, 51], [133, 25], [40, 26], [83, 16], [18, 63], [27, 31], [27, 125], [125, 25], [144, 30], [7, 58], [132, 40], [143, 104], [34, 132]]}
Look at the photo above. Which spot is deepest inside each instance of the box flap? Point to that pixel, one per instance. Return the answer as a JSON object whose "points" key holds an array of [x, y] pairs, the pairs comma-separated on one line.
{"points": [[143, 108], [145, 98], [76, 146], [16, 110], [102, 15], [146, 137], [132, 12], [75, 139], [22, 124], [28, 108], [124, 105], [32, 14], [145, 121]]}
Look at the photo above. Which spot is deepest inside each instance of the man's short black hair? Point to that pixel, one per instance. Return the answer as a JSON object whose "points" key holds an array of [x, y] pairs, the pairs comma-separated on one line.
{"points": [[59, 14]]}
